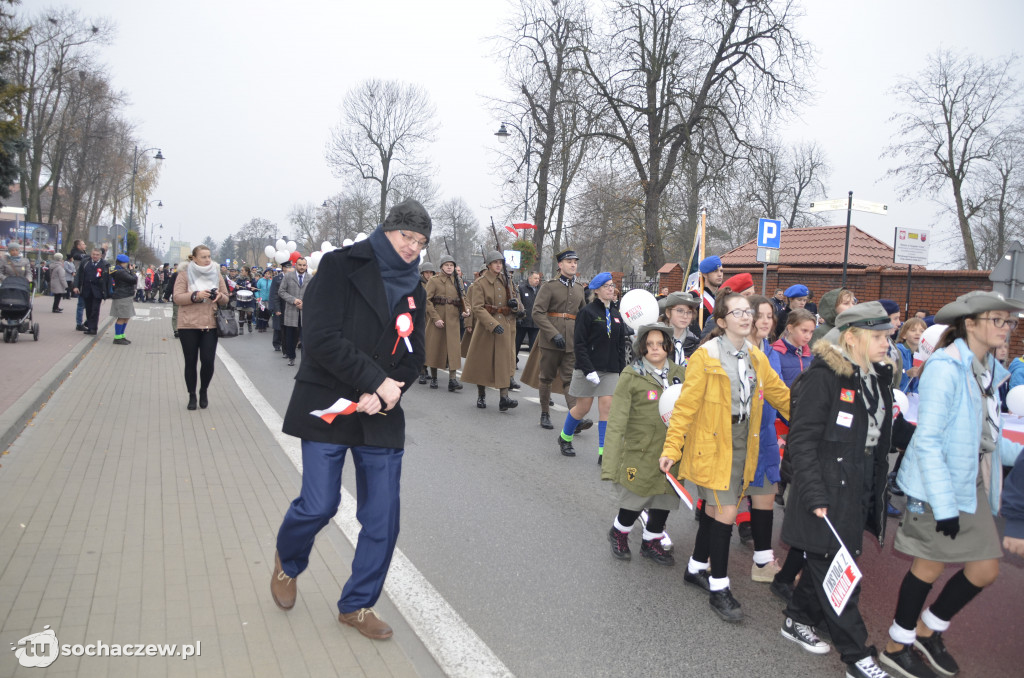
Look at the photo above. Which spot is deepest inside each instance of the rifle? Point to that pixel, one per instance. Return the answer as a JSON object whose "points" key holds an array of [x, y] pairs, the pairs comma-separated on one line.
{"points": [[513, 301], [458, 281]]}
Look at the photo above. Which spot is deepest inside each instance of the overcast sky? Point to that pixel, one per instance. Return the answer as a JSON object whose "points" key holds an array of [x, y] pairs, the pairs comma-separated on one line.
{"points": [[241, 94]]}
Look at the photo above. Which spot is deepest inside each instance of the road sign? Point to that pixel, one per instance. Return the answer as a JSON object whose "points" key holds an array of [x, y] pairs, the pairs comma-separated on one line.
{"points": [[769, 233], [1008, 275], [911, 246], [767, 255], [834, 204]]}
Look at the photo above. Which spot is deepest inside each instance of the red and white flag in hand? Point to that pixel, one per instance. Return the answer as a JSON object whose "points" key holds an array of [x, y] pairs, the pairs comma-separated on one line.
{"points": [[340, 406]]}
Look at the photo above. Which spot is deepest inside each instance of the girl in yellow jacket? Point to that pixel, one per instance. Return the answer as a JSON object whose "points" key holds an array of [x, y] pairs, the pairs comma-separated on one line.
{"points": [[727, 381]]}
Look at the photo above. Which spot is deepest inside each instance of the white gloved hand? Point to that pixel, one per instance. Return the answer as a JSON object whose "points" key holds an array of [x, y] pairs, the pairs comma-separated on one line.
{"points": [[593, 378]]}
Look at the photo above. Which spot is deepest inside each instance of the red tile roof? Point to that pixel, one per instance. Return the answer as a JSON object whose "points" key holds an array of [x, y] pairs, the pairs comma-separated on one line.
{"points": [[818, 246]]}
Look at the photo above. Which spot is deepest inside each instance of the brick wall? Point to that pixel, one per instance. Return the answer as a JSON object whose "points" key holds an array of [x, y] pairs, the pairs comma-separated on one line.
{"points": [[929, 290]]}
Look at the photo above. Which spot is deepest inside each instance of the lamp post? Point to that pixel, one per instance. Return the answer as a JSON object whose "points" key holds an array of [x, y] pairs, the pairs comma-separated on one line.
{"points": [[158, 203], [136, 154], [502, 133]]}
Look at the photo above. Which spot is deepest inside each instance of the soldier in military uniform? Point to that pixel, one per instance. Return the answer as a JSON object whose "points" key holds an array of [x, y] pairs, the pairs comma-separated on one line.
{"points": [[427, 271], [491, 357], [445, 305], [552, 357]]}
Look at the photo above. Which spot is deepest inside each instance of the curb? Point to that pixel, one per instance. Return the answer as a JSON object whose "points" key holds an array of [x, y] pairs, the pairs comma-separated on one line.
{"points": [[14, 420]]}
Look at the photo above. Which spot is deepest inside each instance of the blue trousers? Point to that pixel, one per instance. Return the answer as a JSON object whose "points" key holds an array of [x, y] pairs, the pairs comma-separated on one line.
{"points": [[79, 310], [378, 480]]}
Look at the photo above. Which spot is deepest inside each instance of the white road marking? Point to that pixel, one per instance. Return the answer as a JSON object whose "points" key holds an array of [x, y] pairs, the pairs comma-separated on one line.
{"points": [[458, 650], [556, 407]]}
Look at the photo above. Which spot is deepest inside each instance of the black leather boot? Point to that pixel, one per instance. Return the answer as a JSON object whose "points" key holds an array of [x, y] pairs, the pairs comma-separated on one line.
{"points": [[565, 447], [454, 385], [481, 402], [505, 404], [433, 382], [203, 401], [545, 420], [192, 401]]}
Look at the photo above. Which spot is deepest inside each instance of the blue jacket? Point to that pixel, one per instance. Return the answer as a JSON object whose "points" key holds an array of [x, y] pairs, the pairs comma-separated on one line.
{"points": [[768, 455], [907, 384], [263, 289], [792, 360], [1013, 500], [1016, 372], [941, 463]]}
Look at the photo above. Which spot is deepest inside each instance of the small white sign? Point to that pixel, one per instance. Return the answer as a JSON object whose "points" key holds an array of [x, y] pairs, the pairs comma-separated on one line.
{"points": [[911, 245], [842, 576], [513, 258]]}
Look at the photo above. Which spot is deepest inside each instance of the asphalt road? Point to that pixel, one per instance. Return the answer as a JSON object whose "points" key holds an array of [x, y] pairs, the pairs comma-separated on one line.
{"points": [[513, 535]]}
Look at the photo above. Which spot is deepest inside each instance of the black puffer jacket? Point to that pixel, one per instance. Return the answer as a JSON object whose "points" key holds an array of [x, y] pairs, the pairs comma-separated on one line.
{"points": [[124, 283], [825, 460], [595, 350]]}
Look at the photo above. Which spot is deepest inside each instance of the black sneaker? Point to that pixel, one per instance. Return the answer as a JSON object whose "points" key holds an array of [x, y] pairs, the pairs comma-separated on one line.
{"points": [[652, 549], [700, 579], [746, 533], [804, 636], [934, 650], [565, 447], [782, 590], [907, 662], [865, 668], [583, 426], [620, 544], [725, 606]]}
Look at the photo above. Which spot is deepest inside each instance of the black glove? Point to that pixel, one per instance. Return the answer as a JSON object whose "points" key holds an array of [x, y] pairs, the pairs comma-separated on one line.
{"points": [[558, 340], [498, 329], [513, 304], [949, 527]]}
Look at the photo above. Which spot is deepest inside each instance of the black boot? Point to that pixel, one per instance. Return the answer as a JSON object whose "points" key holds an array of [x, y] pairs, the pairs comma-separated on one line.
{"points": [[514, 385], [203, 401], [433, 382], [454, 385], [545, 420], [505, 404], [423, 378], [481, 402], [583, 426], [565, 447], [725, 606], [191, 401]]}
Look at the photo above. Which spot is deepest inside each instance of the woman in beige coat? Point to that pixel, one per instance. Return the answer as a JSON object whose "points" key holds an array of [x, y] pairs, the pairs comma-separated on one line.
{"points": [[445, 303], [198, 291]]}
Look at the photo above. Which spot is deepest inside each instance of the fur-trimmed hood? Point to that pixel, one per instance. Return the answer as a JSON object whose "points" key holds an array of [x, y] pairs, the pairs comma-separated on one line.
{"points": [[833, 356]]}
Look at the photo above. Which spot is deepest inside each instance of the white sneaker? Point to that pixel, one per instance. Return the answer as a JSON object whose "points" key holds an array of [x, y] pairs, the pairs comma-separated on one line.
{"points": [[804, 636], [865, 668]]}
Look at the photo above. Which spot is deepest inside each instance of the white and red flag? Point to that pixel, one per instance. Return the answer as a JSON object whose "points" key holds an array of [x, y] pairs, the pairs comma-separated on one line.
{"points": [[340, 406]]}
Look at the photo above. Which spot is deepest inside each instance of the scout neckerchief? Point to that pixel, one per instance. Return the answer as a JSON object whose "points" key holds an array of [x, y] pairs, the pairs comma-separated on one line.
{"points": [[989, 427], [746, 382], [661, 375]]}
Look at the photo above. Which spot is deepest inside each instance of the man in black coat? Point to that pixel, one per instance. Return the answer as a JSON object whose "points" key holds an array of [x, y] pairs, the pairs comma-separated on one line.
{"points": [[363, 345], [93, 283], [525, 327], [276, 306]]}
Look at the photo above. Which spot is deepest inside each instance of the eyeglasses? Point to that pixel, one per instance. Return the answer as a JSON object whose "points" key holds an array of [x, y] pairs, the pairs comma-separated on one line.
{"points": [[741, 313], [1000, 323], [413, 240]]}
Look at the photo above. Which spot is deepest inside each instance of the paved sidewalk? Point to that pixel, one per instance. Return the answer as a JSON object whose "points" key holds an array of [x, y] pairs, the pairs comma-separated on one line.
{"points": [[124, 518]]}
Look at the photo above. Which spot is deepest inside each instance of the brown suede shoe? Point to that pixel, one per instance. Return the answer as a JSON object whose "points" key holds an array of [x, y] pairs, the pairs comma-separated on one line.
{"points": [[368, 623], [282, 587]]}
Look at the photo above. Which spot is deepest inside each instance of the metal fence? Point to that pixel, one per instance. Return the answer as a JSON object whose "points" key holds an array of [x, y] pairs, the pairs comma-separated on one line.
{"points": [[634, 282]]}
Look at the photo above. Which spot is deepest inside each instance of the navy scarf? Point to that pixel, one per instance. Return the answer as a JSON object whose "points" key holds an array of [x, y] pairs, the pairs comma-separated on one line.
{"points": [[399, 278]]}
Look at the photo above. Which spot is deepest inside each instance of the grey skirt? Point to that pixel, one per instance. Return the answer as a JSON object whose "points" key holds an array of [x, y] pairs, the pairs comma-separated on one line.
{"points": [[634, 502], [579, 387], [731, 496], [978, 538], [122, 308]]}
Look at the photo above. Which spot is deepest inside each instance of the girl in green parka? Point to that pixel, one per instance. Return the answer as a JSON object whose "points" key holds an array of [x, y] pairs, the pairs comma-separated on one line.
{"points": [[636, 435]]}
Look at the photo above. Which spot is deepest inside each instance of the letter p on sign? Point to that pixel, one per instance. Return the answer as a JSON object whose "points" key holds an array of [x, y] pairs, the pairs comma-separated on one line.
{"points": [[769, 233]]}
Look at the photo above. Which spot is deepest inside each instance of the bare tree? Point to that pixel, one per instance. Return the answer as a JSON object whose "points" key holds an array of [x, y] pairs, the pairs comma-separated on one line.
{"points": [[781, 180], [250, 240], [954, 112], [307, 228], [352, 211], [669, 69], [457, 232], [1002, 221], [384, 128]]}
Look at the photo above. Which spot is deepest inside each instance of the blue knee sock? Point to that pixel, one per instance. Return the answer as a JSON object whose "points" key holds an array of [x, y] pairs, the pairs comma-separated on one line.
{"points": [[119, 329], [602, 426], [570, 426]]}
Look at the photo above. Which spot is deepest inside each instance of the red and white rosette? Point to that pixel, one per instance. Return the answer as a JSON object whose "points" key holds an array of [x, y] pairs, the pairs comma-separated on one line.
{"points": [[403, 325]]}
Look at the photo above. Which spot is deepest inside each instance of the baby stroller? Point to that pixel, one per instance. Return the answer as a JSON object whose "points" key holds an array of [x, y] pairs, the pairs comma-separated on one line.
{"points": [[16, 309]]}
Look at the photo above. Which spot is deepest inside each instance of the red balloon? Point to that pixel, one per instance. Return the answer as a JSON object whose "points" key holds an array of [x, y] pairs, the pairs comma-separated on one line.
{"points": [[295, 256]]}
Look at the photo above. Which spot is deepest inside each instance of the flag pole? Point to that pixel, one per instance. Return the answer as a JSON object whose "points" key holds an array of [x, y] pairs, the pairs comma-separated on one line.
{"points": [[700, 276]]}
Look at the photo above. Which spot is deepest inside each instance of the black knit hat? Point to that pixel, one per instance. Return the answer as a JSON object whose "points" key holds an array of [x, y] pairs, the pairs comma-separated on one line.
{"points": [[409, 215]]}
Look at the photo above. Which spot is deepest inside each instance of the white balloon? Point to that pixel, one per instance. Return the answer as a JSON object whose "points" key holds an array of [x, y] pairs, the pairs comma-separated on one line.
{"points": [[638, 307], [314, 260], [325, 246], [899, 402], [269, 251], [667, 401], [1015, 400], [347, 242], [360, 237], [281, 256], [279, 245], [929, 340], [292, 246]]}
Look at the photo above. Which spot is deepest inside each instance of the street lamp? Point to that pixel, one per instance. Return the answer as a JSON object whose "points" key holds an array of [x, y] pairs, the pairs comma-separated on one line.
{"points": [[502, 133], [136, 154], [158, 203]]}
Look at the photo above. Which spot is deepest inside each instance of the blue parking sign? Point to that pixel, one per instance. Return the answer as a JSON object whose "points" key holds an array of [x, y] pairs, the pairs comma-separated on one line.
{"points": [[769, 233]]}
